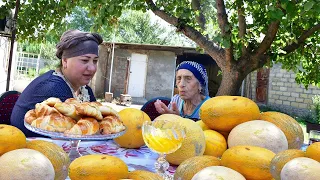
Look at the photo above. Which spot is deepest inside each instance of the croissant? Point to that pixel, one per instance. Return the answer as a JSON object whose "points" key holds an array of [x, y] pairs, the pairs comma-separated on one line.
{"points": [[51, 101], [107, 111], [54, 122], [85, 126], [95, 103], [67, 110], [30, 116], [72, 101], [87, 109], [44, 110], [111, 124]]}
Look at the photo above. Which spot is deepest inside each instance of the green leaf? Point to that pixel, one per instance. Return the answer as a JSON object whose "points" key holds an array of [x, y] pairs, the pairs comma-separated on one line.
{"points": [[271, 8], [217, 39], [225, 43], [277, 14], [308, 5], [111, 8]]}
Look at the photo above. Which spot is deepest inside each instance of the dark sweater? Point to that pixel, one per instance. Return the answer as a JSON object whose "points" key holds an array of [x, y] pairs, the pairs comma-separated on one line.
{"points": [[40, 89]]}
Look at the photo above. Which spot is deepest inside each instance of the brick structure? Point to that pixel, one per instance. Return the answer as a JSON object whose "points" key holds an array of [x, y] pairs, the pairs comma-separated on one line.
{"points": [[284, 93]]}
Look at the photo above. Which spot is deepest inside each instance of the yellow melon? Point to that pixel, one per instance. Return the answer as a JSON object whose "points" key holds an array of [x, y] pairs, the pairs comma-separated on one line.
{"points": [[290, 127], [216, 144], [313, 151], [250, 161], [133, 119], [218, 173], [224, 134], [143, 175], [280, 159], [98, 167], [222, 113], [301, 168], [22, 164], [202, 125], [193, 144], [168, 117], [258, 133], [11, 138], [57, 156], [188, 168]]}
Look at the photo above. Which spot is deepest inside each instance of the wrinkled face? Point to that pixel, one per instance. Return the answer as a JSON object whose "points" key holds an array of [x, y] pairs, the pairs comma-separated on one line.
{"points": [[188, 85], [80, 69]]}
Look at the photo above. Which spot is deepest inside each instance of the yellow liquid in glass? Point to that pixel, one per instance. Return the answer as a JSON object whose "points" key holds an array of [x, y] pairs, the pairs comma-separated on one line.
{"points": [[161, 144]]}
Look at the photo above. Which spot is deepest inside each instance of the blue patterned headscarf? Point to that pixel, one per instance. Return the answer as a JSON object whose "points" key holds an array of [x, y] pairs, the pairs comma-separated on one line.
{"points": [[199, 72]]}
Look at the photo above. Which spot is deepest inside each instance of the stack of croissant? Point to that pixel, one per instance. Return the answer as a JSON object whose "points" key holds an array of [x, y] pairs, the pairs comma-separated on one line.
{"points": [[73, 117]]}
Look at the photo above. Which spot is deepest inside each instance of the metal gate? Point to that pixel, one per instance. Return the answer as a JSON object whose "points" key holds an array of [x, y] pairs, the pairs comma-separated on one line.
{"points": [[27, 66], [4, 59]]}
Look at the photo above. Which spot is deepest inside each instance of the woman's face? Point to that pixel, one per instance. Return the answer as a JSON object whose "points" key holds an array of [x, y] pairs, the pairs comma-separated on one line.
{"points": [[188, 85], [79, 70]]}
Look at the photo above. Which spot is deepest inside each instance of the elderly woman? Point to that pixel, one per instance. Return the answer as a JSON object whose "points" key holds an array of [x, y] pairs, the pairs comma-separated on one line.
{"points": [[78, 52], [192, 83]]}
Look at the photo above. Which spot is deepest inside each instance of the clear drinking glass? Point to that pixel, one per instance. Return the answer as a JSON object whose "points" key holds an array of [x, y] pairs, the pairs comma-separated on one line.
{"points": [[163, 137], [314, 136]]}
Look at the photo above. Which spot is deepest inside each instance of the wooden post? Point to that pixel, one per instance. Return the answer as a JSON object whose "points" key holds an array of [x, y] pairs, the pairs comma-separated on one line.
{"points": [[126, 82], [13, 36]]}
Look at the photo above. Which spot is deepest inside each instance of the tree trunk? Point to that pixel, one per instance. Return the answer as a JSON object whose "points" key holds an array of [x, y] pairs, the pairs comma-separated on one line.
{"points": [[230, 83]]}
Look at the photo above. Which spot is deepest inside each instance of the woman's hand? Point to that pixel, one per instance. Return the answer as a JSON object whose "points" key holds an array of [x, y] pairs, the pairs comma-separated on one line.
{"points": [[163, 109]]}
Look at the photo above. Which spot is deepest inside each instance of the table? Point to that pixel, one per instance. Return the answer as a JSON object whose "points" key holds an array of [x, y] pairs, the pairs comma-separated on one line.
{"points": [[136, 159]]}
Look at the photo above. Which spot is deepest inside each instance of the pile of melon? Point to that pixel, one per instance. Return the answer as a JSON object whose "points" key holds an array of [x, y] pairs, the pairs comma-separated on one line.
{"points": [[35, 159], [44, 160], [233, 140], [249, 144]]}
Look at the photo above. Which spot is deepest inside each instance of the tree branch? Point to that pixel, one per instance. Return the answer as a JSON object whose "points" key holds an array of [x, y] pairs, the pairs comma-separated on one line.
{"points": [[196, 6], [268, 39], [213, 50], [293, 46], [242, 25], [225, 28]]}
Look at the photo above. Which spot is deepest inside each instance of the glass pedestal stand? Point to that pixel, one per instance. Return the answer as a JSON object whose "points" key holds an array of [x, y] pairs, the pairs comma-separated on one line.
{"points": [[74, 139], [74, 151], [162, 166]]}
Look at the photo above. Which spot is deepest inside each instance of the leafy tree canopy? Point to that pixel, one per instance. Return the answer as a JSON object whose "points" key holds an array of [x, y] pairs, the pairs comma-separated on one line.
{"points": [[241, 36], [133, 27]]}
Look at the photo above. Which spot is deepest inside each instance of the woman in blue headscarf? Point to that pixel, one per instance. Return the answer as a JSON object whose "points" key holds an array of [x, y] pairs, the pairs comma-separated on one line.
{"points": [[192, 83]]}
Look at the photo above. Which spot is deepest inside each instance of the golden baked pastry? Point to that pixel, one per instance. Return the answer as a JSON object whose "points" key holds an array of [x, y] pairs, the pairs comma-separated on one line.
{"points": [[44, 110], [111, 125], [95, 103], [74, 117], [67, 110], [51, 101], [88, 109], [85, 126], [107, 111], [54, 122], [72, 101], [30, 116]]}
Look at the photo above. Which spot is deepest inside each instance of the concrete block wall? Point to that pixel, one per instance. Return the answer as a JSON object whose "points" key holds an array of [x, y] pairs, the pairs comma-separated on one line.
{"points": [[286, 94], [253, 83]]}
